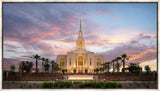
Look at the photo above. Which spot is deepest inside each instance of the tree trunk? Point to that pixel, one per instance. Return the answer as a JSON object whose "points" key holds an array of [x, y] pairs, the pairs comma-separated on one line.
{"points": [[118, 67], [42, 66], [108, 68], [124, 67], [36, 66], [113, 66]]}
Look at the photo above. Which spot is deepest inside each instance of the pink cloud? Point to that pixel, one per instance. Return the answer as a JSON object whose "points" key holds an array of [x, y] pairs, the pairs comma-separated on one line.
{"points": [[56, 28]]}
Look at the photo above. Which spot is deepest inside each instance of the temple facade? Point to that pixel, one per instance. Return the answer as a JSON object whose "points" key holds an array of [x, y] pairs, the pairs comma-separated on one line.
{"points": [[80, 60]]}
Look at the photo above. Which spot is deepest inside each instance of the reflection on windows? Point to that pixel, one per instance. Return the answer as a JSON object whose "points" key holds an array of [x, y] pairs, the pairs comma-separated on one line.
{"points": [[84, 62], [76, 62], [80, 60], [98, 62], [70, 61], [90, 61], [62, 63]]}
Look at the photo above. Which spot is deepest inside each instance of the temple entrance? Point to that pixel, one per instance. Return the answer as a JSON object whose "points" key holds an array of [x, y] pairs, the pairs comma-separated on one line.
{"points": [[74, 71], [86, 71], [80, 71], [80, 61]]}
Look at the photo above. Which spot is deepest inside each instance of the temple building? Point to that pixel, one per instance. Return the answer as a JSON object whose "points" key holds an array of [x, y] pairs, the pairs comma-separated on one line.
{"points": [[80, 60]]}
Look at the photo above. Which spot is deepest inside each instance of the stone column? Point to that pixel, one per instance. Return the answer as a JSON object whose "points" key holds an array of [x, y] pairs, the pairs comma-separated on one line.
{"points": [[83, 66], [83, 62], [77, 61], [77, 65]]}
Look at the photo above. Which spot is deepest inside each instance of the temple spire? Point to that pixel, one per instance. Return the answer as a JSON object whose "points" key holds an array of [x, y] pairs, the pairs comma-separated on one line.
{"points": [[80, 30]]}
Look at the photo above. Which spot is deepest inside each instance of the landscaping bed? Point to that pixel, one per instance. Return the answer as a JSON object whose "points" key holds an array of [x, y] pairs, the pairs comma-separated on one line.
{"points": [[80, 84]]}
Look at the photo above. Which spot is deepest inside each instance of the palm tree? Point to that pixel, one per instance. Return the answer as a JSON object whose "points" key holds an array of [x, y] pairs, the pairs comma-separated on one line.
{"points": [[108, 66], [124, 57], [25, 66], [46, 65], [53, 65], [37, 57], [12, 67], [101, 69], [117, 65], [28, 66], [97, 70], [147, 68], [113, 64], [94, 71], [104, 66], [21, 67], [43, 60]]}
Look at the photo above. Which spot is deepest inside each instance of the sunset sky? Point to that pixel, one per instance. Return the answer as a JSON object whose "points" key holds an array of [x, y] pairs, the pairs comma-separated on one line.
{"points": [[50, 29]]}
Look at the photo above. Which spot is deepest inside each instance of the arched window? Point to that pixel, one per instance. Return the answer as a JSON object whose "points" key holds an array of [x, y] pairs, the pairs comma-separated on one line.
{"points": [[76, 62], [70, 61], [61, 62], [90, 61], [84, 62], [80, 45], [98, 62], [80, 61]]}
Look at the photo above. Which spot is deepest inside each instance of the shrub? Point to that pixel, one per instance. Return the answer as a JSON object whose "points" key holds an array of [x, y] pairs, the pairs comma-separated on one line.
{"points": [[67, 84], [111, 85], [114, 85], [107, 85], [98, 85], [82, 85], [76, 82], [47, 85], [102, 83], [61, 85], [56, 84], [120, 85], [92, 84]]}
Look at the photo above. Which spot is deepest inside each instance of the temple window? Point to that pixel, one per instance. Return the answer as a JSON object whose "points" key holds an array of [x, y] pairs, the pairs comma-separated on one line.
{"points": [[80, 61], [70, 61], [76, 62], [80, 45], [84, 62], [61, 62], [98, 62], [90, 61]]}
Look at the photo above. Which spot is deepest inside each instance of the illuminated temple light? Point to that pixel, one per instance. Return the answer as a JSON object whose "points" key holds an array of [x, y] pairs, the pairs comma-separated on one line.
{"points": [[77, 60], [80, 77]]}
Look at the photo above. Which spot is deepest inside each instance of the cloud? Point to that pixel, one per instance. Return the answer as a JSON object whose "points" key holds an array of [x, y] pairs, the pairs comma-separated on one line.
{"points": [[50, 29], [138, 52]]}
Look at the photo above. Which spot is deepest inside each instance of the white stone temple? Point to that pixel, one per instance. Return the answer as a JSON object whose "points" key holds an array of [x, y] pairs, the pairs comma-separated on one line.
{"points": [[80, 60]]}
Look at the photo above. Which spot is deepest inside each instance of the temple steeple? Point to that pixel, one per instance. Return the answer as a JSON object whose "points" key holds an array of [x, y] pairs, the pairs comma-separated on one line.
{"points": [[80, 44], [80, 30]]}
